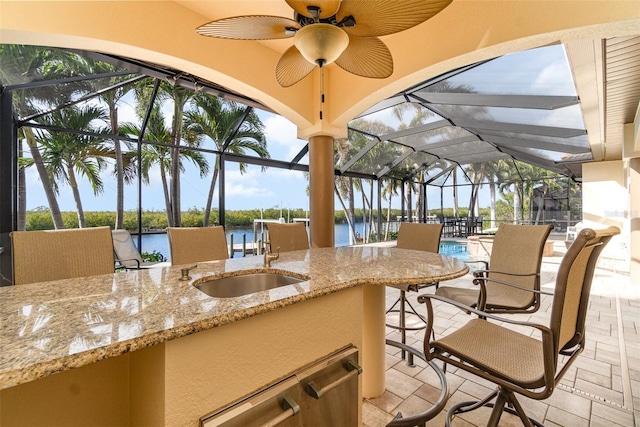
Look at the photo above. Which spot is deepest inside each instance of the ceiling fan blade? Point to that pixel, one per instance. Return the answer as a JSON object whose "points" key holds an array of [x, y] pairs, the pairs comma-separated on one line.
{"points": [[292, 67], [367, 57], [328, 8], [252, 27], [382, 17]]}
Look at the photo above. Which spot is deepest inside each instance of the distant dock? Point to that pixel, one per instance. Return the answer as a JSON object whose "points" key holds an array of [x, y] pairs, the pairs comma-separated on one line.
{"points": [[250, 248]]}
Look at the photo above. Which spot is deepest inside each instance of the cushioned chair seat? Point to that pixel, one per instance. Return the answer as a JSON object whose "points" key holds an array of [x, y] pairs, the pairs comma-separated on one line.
{"points": [[499, 301], [500, 351]]}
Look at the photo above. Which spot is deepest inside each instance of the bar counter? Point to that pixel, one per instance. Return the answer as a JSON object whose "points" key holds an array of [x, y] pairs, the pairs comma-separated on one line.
{"points": [[56, 326]]}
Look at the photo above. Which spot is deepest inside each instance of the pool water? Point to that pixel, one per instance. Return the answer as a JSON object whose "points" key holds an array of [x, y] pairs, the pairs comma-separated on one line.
{"points": [[454, 249]]}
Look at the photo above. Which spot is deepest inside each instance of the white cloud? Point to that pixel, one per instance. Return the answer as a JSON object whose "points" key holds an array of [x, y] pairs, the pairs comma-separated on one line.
{"points": [[239, 189], [554, 79], [249, 184], [281, 137]]}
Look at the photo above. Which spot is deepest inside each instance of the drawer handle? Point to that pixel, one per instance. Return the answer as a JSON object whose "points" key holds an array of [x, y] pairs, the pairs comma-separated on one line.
{"points": [[290, 407], [353, 371]]}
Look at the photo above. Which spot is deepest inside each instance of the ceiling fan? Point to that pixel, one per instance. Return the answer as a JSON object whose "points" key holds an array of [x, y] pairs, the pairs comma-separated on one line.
{"points": [[324, 31]]}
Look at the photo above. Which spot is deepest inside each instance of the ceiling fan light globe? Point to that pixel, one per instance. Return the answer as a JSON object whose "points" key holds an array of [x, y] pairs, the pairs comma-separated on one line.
{"points": [[321, 43]]}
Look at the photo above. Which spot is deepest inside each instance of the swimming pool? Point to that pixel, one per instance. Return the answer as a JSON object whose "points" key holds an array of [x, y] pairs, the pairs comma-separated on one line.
{"points": [[454, 249]]}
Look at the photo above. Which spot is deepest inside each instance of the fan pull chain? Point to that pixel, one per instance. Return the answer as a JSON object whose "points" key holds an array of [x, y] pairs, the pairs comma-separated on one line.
{"points": [[321, 90]]}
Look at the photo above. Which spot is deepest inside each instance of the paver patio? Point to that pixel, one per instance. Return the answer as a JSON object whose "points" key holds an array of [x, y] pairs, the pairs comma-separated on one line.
{"points": [[602, 388]]}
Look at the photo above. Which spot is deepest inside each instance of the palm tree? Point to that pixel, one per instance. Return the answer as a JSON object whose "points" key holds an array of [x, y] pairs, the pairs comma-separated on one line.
{"points": [[519, 170], [151, 154], [497, 172], [111, 99], [548, 182], [343, 149], [410, 189], [389, 190], [382, 153], [217, 119], [531, 175], [479, 173], [25, 64], [67, 154], [180, 97]]}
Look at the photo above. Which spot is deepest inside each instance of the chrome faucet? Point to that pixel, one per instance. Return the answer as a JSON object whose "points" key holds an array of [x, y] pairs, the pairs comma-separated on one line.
{"points": [[268, 257]]}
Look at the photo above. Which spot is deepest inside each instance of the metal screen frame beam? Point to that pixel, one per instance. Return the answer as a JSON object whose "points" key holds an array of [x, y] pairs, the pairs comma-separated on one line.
{"points": [[535, 102], [8, 189]]}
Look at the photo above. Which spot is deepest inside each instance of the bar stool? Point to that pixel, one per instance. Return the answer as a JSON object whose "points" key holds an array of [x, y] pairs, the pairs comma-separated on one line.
{"points": [[421, 237], [42, 256], [288, 237], [190, 245]]}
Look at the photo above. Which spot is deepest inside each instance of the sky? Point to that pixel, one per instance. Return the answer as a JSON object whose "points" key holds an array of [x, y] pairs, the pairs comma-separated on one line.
{"points": [[546, 73]]}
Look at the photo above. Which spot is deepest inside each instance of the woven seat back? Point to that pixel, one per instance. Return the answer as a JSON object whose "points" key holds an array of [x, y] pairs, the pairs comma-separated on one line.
{"points": [[189, 245], [573, 286], [517, 249], [42, 256], [418, 236], [288, 237]]}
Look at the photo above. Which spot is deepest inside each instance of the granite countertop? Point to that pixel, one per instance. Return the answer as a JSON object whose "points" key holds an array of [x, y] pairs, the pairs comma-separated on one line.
{"points": [[54, 326]]}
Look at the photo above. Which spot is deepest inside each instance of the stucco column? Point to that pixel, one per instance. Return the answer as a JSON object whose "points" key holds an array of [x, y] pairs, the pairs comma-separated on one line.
{"points": [[634, 220], [373, 341], [321, 202]]}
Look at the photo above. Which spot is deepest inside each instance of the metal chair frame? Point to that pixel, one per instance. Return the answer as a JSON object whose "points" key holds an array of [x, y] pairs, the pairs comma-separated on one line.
{"points": [[466, 348], [510, 244], [127, 255], [416, 236]]}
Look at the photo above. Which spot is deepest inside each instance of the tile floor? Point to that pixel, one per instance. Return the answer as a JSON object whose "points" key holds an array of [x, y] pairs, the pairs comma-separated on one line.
{"points": [[602, 388]]}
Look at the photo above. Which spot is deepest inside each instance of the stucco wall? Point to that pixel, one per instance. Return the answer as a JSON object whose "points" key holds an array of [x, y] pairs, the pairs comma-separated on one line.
{"points": [[605, 202]]}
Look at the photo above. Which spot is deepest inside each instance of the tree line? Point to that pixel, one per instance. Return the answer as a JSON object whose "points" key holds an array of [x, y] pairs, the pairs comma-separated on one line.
{"points": [[40, 218]]}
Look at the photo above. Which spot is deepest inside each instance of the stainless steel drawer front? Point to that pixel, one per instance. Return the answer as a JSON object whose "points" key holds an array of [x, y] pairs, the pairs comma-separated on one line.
{"points": [[320, 395], [273, 406], [330, 396]]}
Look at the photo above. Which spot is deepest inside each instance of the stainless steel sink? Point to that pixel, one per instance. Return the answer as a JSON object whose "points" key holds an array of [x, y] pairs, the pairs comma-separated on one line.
{"points": [[235, 286]]}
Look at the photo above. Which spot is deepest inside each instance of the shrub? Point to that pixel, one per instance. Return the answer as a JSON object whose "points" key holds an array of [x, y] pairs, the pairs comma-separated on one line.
{"points": [[153, 256]]}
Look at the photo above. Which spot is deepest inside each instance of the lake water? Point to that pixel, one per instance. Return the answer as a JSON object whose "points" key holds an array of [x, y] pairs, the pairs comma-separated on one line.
{"points": [[159, 242]]}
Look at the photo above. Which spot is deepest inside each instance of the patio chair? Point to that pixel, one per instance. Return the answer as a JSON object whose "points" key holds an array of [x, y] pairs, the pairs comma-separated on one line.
{"points": [[421, 237], [529, 364], [42, 256], [516, 256], [127, 254], [287, 237], [189, 245]]}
